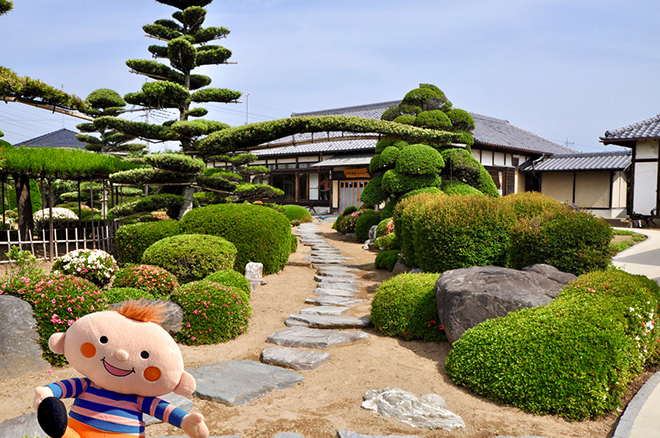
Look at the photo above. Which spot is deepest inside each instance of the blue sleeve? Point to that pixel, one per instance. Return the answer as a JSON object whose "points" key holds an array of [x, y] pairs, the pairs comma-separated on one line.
{"points": [[162, 410], [69, 388]]}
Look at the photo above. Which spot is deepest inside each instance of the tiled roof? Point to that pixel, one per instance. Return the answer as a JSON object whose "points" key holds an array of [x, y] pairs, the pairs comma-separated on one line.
{"points": [[488, 131], [646, 129], [618, 160], [62, 138]]}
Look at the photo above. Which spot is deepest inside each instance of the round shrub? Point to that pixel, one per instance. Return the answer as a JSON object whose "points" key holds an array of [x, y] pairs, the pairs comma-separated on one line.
{"points": [[399, 183], [94, 265], [260, 234], [212, 313], [434, 119], [458, 188], [387, 259], [229, 277], [364, 223], [348, 210], [528, 205], [428, 97], [404, 215], [296, 213], [385, 227], [406, 119], [461, 119], [191, 256], [404, 306], [119, 294], [294, 243], [461, 166], [156, 281], [419, 159], [571, 241], [60, 300], [573, 357], [388, 242], [373, 193], [132, 240], [389, 156], [375, 164]]}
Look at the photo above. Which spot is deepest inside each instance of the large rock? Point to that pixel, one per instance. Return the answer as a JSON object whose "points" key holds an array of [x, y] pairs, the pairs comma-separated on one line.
{"points": [[467, 297], [20, 352]]}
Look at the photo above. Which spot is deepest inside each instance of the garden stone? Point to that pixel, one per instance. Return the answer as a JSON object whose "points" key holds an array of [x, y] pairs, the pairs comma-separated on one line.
{"points": [[330, 300], [333, 274], [337, 279], [20, 352], [334, 292], [296, 359], [326, 321], [466, 297], [426, 411], [254, 271], [372, 233], [288, 435], [305, 337], [19, 426], [341, 285], [173, 314], [334, 269], [324, 310], [349, 434], [400, 268], [237, 382], [172, 398]]}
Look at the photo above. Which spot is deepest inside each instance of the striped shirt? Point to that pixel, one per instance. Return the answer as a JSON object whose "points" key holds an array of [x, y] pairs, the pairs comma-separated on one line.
{"points": [[110, 411]]}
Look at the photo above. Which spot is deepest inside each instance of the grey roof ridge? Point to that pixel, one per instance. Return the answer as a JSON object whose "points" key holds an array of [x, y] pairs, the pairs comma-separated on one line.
{"points": [[346, 109], [35, 139], [611, 134], [594, 154]]}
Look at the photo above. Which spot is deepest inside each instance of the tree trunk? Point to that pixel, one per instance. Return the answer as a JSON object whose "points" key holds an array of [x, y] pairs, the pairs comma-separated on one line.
{"points": [[24, 203], [188, 193]]}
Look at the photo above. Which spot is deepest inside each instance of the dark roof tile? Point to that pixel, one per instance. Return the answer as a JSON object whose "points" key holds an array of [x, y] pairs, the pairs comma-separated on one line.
{"points": [[62, 138], [618, 160], [645, 129]]}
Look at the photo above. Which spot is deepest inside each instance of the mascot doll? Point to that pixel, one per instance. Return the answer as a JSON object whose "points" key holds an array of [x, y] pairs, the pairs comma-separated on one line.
{"points": [[128, 360]]}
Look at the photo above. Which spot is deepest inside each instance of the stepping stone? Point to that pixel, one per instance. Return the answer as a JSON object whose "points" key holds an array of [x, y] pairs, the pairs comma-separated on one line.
{"points": [[325, 274], [335, 268], [337, 279], [297, 359], [289, 435], [324, 310], [305, 337], [328, 259], [237, 382], [331, 300], [349, 434], [351, 287], [334, 292], [19, 426], [326, 321]]}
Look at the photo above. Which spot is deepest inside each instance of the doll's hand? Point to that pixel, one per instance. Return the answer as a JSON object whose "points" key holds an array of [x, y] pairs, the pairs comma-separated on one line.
{"points": [[194, 426], [41, 393]]}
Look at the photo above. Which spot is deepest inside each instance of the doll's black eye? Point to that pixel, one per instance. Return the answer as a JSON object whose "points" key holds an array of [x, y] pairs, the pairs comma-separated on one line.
{"points": [[103, 340], [144, 355]]}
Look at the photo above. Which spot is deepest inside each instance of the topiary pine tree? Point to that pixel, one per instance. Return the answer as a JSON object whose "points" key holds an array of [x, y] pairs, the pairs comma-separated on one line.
{"points": [[398, 167], [175, 86], [5, 6], [100, 103], [240, 171]]}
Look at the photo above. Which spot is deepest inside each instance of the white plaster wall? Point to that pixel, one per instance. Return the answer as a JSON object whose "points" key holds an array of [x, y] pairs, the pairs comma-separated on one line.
{"points": [[487, 158], [646, 149], [592, 189], [498, 159], [644, 191], [313, 186], [558, 185]]}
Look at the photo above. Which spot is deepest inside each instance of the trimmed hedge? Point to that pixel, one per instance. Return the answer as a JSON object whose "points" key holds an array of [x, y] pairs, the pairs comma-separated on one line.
{"points": [[404, 306], [296, 213], [364, 223], [419, 159], [212, 313], [461, 166], [229, 277], [119, 294], [191, 257], [260, 234], [573, 357], [156, 281], [459, 188], [132, 240], [387, 259]]}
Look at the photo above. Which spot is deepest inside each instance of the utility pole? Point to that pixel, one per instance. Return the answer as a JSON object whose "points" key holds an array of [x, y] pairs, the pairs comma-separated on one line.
{"points": [[246, 107]]}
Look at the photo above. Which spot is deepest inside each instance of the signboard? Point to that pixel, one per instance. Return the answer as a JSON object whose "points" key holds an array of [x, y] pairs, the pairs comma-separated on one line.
{"points": [[357, 173]]}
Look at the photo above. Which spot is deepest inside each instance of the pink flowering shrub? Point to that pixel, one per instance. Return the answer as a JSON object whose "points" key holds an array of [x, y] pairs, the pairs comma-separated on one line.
{"points": [[94, 265], [157, 281], [345, 223], [58, 302], [212, 313]]}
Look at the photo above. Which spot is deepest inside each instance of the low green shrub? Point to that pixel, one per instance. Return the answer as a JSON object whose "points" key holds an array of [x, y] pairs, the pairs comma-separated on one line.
{"points": [[260, 234], [156, 281], [191, 257], [346, 224], [364, 223], [59, 301], [458, 188], [373, 193], [294, 243], [132, 240], [212, 313], [348, 210], [120, 294], [397, 183], [94, 265], [387, 259], [229, 277], [529, 205], [419, 159], [296, 213], [385, 227], [404, 306], [388, 242], [461, 166], [405, 213], [573, 357], [571, 241]]}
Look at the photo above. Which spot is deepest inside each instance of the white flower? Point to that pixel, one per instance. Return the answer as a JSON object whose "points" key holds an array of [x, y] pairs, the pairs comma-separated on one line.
{"points": [[58, 213]]}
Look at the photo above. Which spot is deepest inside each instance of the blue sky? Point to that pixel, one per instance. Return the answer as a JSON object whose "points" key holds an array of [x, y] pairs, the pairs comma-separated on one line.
{"points": [[565, 70]]}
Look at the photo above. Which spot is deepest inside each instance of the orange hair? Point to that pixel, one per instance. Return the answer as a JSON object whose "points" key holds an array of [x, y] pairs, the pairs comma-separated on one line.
{"points": [[140, 310]]}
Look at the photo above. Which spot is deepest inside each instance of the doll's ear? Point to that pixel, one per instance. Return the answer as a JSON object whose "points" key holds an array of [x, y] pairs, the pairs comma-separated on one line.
{"points": [[186, 385], [56, 343]]}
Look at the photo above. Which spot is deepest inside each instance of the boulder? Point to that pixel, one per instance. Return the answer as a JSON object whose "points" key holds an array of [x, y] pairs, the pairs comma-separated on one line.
{"points": [[20, 352], [469, 296]]}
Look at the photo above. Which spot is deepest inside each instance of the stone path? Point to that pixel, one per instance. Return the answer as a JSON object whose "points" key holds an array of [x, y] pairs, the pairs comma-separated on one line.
{"points": [[316, 327]]}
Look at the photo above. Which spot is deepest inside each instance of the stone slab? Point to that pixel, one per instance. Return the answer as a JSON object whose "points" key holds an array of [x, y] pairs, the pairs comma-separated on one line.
{"points": [[296, 359], [305, 337], [334, 292], [327, 259], [337, 278], [324, 310], [326, 321], [289, 435], [350, 287], [335, 268], [335, 274], [349, 434], [237, 382], [19, 426], [330, 300]]}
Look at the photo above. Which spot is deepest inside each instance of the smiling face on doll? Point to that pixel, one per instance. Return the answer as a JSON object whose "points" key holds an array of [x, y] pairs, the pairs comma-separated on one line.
{"points": [[121, 354]]}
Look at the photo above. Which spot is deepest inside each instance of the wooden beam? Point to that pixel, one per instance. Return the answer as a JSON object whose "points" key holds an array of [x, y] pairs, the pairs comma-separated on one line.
{"points": [[52, 108]]}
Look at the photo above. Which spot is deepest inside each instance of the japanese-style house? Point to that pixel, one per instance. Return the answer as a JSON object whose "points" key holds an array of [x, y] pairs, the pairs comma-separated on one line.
{"points": [[328, 171]]}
